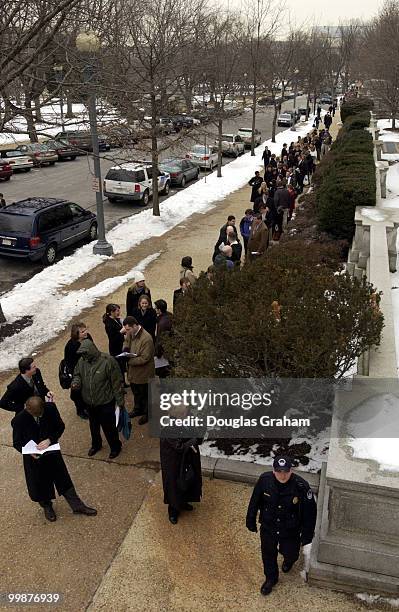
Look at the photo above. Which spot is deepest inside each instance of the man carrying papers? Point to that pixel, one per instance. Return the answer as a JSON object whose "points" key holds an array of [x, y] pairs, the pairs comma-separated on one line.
{"points": [[40, 422]]}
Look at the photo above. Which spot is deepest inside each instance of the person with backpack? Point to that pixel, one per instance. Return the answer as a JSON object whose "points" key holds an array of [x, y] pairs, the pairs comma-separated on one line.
{"points": [[79, 333]]}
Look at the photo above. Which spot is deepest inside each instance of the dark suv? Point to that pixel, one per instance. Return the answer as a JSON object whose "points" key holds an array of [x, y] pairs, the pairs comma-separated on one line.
{"points": [[36, 228]]}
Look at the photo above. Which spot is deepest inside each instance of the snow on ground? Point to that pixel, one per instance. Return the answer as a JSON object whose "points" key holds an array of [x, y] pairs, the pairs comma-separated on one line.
{"points": [[52, 299], [52, 123], [379, 417], [54, 316], [318, 454], [377, 599]]}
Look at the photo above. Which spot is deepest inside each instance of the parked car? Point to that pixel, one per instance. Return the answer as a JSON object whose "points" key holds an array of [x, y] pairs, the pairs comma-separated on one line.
{"points": [[17, 160], [133, 181], [232, 144], [182, 121], [286, 120], [326, 99], [120, 136], [180, 170], [192, 120], [301, 112], [246, 135], [5, 170], [37, 228], [204, 157], [63, 150], [166, 125], [39, 153], [81, 140]]}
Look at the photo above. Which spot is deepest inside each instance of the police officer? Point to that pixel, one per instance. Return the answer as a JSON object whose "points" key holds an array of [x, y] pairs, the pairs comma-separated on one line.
{"points": [[287, 517]]}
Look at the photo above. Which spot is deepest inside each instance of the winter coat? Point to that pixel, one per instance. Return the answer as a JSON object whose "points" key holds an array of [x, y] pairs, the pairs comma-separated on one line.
{"points": [[172, 452], [115, 338], [282, 198], [255, 183], [245, 227], [258, 241], [132, 298], [188, 274], [49, 470], [100, 381], [18, 391], [164, 327], [221, 261], [71, 355], [286, 510], [147, 319], [140, 369]]}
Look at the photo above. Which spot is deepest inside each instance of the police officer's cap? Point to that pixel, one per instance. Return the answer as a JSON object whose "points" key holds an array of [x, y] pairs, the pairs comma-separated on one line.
{"points": [[282, 463]]}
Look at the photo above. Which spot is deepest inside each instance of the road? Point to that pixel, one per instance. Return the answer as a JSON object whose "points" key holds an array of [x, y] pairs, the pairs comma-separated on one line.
{"points": [[73, 180]]}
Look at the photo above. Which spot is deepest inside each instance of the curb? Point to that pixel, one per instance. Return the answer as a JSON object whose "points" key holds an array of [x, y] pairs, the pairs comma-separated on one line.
{"points": [[243, 471]]}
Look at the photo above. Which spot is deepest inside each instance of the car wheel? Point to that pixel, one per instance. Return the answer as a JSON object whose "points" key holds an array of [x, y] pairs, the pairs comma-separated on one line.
{"points": [[145, 199], [73, 157], [112, 200], [52, 163], [198, 174], [183, 182], [93, 232], [7, 178], [28, 169], [166, 189], [50, 254]]}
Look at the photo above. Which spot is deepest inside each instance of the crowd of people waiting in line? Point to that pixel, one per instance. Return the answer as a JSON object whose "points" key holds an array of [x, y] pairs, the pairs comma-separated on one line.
{"points": [[98, 381]]}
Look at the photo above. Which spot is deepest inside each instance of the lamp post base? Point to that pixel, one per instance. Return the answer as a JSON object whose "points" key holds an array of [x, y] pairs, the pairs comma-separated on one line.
{"points": [[102, 247]]}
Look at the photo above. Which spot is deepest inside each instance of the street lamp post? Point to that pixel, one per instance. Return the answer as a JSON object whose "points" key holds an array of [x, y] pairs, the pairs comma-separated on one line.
{"points": [[88, 44], [244, 100], [59, 77], [295, 86]]}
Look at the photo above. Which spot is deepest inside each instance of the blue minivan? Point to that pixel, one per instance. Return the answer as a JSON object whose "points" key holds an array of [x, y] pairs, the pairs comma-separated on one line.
{"points": [[37, 228]]}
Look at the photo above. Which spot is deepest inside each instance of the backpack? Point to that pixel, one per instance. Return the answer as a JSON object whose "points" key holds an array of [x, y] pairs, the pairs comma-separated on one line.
{"points": [[64, 375]]}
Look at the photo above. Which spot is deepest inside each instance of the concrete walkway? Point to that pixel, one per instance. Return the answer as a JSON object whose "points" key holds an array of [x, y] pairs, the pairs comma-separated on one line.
{"points": [[182, 568]]}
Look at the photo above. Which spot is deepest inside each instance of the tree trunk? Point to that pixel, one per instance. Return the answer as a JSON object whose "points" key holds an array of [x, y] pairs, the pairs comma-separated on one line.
{"points": [[38, 111], [307, 105], [154, 157], [29, 118], [220, 132], [69, 113], [393, 121], [2, 317], [274, 125], [253, 118]]}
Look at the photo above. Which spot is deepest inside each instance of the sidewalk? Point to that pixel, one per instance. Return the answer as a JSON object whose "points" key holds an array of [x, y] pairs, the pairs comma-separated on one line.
{"points": [[159, 567]]}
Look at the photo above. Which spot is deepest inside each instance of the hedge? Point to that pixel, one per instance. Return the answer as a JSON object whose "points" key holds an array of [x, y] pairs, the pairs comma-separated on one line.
{"points": [[357, 122], [355, 106], [345, 179]]}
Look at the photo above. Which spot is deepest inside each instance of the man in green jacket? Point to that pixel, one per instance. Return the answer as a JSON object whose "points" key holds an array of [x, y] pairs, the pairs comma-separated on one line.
{"points": [[98, 377]]}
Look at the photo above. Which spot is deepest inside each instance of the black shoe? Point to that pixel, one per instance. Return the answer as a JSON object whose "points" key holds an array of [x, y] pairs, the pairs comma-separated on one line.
{"points": [[173, 519], [94, 450], [113, 454], [49, 513], [143, 420], [187, 507], [83, 415], [83, 509], [286, 567], [267, 587], [133, 414], [126, 385]]}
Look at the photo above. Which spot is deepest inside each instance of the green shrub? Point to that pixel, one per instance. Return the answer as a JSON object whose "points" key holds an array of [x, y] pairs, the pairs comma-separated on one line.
{"points": [[357, 122], [354, 106]]}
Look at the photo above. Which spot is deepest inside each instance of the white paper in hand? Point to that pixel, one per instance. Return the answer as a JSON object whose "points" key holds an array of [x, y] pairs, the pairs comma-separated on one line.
{"points": [[126, 355], [31, 448], [117, 413]]}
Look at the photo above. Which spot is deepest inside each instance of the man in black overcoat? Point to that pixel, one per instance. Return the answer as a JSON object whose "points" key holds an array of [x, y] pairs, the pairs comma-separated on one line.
{"points": [[28, 382], [174, 452], [41, 422]]}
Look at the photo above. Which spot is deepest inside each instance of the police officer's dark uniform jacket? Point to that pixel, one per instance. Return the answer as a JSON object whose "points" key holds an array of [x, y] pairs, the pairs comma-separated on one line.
{"points": [[287, 518]]}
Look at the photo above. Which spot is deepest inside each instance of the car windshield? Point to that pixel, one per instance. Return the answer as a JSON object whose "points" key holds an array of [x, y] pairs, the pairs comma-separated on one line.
{"points": [[121, 174], [14, 154], [201, 150], [286, 115], [227, 138], [246, 130], [169, 166], [14, 223]]}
